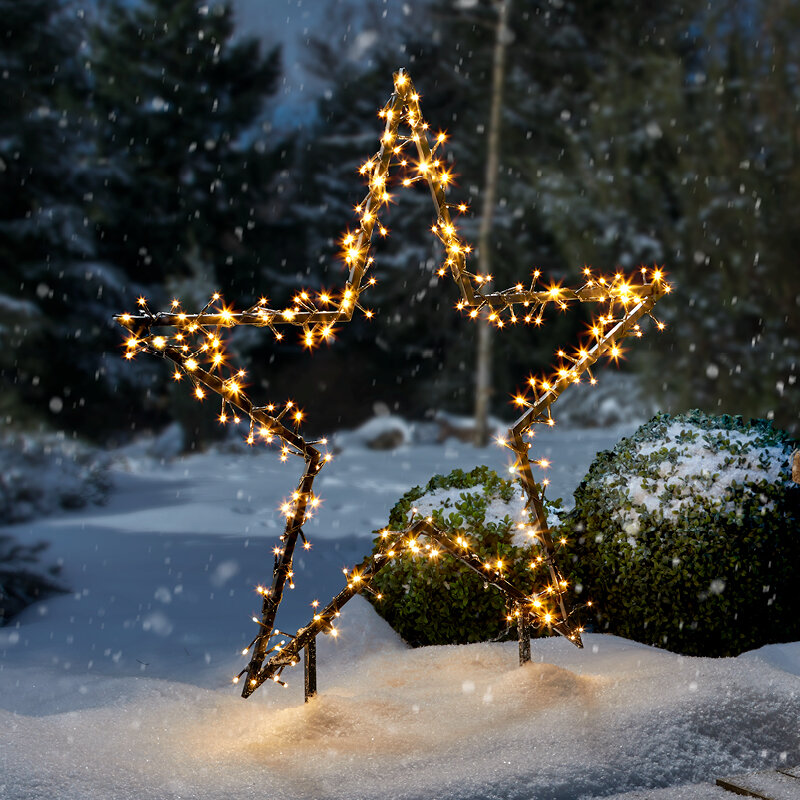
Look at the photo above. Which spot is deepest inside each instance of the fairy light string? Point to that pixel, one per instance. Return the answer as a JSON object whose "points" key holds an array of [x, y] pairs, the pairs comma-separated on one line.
{"points": [[194, 343]]}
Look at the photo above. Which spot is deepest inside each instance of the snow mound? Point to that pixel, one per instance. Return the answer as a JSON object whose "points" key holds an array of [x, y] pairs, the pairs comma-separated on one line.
{"points": [[96, 705], [40, 474], [463, 428], [461, 722], [384, 432], [616, 398], [146, 449]]}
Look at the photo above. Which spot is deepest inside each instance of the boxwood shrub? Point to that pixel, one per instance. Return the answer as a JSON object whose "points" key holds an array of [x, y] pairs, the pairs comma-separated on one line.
{"points": [[688, 535], [441, 601]]}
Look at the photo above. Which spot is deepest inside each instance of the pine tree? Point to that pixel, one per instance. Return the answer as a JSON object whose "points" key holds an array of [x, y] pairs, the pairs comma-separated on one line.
{"points": [[188, 167], [181, 147], [739, 332], [631, 135], [54, 303], [416, 332], [543, 68], [450, 61], [680, 155]]}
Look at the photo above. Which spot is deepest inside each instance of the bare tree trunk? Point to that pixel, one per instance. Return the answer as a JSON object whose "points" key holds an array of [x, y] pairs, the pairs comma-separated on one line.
{"points": [[483, 357]]}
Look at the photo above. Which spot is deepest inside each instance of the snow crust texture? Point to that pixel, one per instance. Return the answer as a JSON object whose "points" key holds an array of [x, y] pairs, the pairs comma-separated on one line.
{"points": [[457, 721]]}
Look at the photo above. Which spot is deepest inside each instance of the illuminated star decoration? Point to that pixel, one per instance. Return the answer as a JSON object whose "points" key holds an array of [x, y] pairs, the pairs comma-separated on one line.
{"points": [[194, 343]]}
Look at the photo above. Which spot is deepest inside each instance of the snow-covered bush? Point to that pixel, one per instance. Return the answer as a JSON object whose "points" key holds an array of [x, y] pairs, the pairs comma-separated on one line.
{"points": [[439, 600], [40, 474], [22, 579], [689, 535]]}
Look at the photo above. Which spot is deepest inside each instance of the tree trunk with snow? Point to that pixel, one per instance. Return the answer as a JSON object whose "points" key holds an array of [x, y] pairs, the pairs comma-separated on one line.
{"points": [[483, 367]]}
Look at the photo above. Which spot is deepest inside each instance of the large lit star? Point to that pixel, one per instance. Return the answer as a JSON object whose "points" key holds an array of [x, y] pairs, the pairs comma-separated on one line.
{"points": [[195, 345]]}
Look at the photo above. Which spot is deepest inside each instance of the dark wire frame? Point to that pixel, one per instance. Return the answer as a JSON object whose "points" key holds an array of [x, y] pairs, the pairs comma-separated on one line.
{"points": [[199, 338]]}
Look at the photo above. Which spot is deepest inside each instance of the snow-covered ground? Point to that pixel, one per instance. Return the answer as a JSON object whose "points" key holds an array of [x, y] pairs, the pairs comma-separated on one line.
{"points": [[122, 689]]}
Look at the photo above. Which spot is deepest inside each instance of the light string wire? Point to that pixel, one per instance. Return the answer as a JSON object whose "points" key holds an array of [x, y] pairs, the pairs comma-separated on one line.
{"points": [[194, 344]]}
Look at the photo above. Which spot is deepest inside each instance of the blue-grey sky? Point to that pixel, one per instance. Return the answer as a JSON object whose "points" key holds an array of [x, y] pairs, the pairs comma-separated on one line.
{"points": [[291, 23]]}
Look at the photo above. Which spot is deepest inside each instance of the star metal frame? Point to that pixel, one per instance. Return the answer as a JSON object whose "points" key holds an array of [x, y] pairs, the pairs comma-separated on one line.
{"points": [[194, 344]]}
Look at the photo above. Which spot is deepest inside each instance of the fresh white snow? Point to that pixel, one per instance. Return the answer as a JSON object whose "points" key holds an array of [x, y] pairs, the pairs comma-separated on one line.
{"points": [[121, 688], [700, 459], [497, 510]]}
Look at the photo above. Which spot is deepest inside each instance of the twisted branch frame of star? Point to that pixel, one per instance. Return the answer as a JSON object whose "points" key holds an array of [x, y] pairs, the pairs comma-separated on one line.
{"points": [[194, 343]]}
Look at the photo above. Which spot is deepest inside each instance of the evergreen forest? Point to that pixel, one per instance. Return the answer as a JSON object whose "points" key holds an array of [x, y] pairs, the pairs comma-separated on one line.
{"points": [[142, 153]]}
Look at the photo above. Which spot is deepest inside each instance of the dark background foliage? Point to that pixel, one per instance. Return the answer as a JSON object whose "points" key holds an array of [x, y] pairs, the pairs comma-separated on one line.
{"points": [[139, 153]]}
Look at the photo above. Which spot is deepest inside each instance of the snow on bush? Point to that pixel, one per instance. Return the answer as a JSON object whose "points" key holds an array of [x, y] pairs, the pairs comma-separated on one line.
{"points": [[439, 600], [688, 534], [40, 474]]}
